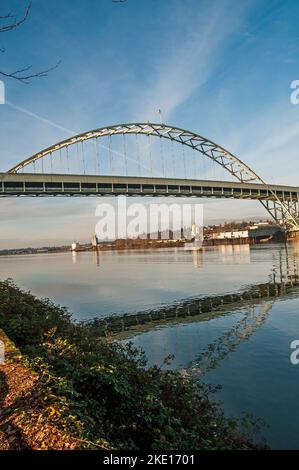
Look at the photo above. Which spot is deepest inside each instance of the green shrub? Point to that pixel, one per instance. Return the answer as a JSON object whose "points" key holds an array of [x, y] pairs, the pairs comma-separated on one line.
{"points": [[104, 391]]}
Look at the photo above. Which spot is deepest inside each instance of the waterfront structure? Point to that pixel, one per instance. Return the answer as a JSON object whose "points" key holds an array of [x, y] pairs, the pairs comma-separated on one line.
{"points": [[230, 235], [75, 246], [94, 242]]}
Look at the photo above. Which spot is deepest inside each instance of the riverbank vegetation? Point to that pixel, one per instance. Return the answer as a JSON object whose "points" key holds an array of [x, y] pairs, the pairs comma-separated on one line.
{"points": [[95, 393]]}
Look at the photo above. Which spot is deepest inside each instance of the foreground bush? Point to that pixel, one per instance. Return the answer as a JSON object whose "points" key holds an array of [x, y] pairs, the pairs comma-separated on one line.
{"points": [[102, 390]]}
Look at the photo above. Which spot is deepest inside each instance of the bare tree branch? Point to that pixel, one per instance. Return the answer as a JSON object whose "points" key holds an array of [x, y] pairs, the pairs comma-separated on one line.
{"points": [[24, 74], [24, 77], [15, 24], [9, 15]]}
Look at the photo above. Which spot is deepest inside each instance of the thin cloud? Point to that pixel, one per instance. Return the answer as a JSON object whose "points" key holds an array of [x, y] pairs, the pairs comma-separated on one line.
{"points": [[186, 65], [39, 118]]}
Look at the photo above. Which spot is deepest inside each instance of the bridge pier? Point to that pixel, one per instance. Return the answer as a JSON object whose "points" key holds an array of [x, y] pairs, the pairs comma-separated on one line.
{"points": [[285, 211]]}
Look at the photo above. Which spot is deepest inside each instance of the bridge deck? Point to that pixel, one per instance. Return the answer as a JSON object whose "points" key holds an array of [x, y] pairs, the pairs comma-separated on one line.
{"points": [[28, 184]]}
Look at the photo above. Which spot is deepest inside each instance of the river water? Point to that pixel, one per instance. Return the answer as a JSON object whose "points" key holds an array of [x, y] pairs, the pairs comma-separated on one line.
{"points": [[246, 351]]}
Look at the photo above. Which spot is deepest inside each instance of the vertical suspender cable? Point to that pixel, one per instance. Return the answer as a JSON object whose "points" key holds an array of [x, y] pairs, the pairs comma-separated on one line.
{"points": [[125, 154], [83, 157], [95, 157], [111, 156], [184, 161], [78, 156], [67, 159], [98, 156], [138, 155], [194, 172], [60, 160], [173, 159], [150, 155], [162, 156]]}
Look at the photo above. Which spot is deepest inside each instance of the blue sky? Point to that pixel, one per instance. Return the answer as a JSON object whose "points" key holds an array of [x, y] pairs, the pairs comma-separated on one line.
{"points": [[221, 68]]}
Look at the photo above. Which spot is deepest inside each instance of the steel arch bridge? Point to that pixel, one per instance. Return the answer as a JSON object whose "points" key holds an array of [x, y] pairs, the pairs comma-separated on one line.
{"points": [[280, 202]]}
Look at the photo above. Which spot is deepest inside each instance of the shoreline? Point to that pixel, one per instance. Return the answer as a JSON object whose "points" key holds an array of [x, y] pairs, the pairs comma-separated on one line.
{"points": [[206, 243], [93, 393]]}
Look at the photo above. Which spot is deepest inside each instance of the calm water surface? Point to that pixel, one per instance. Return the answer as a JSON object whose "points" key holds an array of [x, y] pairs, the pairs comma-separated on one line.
{"points": [[128, 281], [249, 348]]}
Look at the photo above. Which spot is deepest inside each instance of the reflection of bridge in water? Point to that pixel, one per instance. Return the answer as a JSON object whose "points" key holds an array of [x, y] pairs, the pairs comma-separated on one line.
{"points": [[282, 280], [253, 317], [165, 164], [252, 305]]}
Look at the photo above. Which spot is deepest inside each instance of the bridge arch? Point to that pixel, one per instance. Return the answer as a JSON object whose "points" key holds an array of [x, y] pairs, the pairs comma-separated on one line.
{"points": [[279, 210]]}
